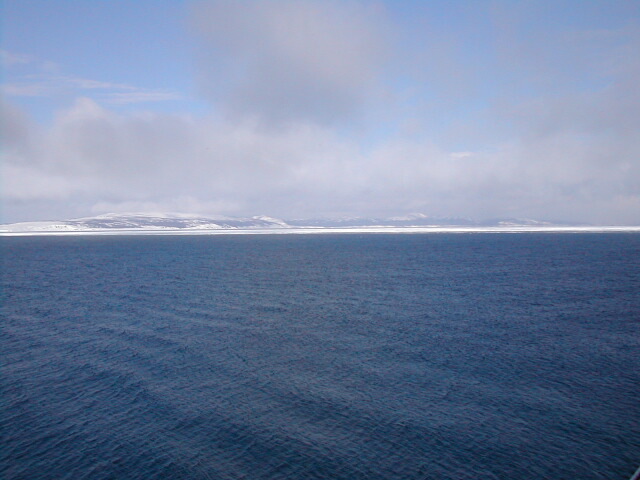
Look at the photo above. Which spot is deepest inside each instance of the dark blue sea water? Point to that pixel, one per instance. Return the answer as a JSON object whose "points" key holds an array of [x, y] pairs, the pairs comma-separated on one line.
{"points": [[442, 356]]}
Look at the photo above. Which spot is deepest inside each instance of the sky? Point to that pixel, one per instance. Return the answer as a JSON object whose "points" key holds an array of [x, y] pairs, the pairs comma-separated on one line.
{"points": [[321, 108]]}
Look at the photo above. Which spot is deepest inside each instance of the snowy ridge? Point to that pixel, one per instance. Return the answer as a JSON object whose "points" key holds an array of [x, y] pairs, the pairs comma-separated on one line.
{"points": [[132, 222], [182, 223]]}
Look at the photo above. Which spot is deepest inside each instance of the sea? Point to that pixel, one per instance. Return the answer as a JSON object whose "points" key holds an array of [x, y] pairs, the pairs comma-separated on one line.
{"points": [[352, 356]]}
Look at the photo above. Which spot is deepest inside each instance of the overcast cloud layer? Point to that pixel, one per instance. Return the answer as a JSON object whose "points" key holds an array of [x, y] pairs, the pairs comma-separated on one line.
{"points": [[323, 108]]}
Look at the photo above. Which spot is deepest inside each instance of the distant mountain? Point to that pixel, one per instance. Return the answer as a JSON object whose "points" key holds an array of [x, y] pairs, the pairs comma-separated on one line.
{"points": [[168, 222], [413, 220], [145, 222]]}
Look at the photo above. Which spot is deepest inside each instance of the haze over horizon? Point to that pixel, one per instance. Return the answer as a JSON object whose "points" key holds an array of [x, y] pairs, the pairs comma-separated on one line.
{"points": [[309, 108]]}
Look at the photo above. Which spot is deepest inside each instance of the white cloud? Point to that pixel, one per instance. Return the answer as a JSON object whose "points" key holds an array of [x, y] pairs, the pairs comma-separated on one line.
{"points": [[107, 161], [45, 80], [29, 182], [122, 98], [28, 89], [10, 59], [457, 155], [177, 205]]}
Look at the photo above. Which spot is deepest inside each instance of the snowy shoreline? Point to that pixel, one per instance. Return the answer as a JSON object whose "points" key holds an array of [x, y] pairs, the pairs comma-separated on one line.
{"points": [[325, 230]]}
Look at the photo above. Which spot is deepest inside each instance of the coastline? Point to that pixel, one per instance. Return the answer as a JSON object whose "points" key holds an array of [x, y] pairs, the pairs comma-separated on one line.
{"points": [[326, 230]]}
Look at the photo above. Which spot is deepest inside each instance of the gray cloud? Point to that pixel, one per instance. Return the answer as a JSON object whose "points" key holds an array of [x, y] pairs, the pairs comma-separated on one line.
{"points": [[292, 60], [15, 128]]}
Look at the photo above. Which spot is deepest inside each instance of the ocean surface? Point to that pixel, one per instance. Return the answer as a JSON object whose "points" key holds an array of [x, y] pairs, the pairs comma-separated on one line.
{"points": [[409, 357]]}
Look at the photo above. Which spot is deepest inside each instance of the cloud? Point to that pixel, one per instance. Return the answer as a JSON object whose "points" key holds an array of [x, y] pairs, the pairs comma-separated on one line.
{"points": [[292, 60], [177, 205], [25, 89], [108, 161], [27, 183], [44, 79], [16, 128], [124, 98], [538, 47], [9, 59], [47, 85]]}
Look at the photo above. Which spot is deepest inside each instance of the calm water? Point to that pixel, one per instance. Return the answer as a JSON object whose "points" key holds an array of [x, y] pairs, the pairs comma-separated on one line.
{"points": [[480, 356]]}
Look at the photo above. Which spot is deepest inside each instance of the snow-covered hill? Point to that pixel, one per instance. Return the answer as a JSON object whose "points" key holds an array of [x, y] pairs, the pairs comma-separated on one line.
{"points": [[187, 223], [145, 222]]}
